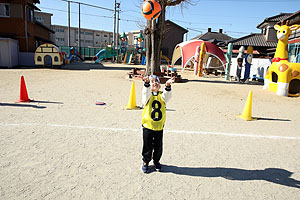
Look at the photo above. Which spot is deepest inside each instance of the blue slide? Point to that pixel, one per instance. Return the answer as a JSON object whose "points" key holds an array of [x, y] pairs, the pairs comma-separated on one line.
{"points": [[100, 55]]}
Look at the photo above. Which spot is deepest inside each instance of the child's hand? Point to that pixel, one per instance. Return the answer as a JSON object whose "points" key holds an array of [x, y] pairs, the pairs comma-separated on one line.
{"points": [[170, 81], [146, 79]]}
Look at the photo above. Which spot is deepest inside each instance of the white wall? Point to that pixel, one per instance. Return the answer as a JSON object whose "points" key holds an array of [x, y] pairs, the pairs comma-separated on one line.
{"points": [[9, 52], [259, 67]]}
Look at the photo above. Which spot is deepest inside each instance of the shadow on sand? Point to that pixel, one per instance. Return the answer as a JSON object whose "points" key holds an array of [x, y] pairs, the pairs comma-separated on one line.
{"points": [[225, 82], [95, 66], [272, 119], [76, 66], [22, 105], [273, 175], [53, 102]]}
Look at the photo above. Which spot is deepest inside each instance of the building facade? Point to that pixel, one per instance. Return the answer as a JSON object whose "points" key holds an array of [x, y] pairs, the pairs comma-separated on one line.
{"points": [[217, 38], [294, 39], [173, 35], [263, 43], [88, 37], [17, 16]]}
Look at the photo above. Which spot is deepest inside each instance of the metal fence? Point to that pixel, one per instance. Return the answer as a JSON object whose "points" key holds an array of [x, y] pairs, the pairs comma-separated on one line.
{"points": [[85, 52], [90, 52]]}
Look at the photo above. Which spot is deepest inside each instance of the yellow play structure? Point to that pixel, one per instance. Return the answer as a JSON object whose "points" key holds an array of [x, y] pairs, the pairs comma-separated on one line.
{"points": [[283, 77], [48, 55]]}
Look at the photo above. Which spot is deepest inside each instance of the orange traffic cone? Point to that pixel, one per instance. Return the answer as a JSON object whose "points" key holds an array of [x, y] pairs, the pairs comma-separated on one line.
{"points": [[23, 92], [132, 99], [246, 115]]}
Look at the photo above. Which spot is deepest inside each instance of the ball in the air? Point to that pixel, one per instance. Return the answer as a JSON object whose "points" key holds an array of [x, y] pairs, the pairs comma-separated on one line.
{"points": [[151, 9]]}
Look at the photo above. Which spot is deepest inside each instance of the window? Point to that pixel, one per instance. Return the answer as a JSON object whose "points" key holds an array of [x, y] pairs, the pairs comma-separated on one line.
{"points": [[4, 10], [39, 19], [29, 14], [60, 39], [97, 34], [56, 59], [39, 58], [61, 30], [105, 36], [88, 33]]}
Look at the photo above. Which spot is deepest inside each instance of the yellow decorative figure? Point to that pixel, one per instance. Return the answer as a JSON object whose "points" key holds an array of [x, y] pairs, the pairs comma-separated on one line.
{"points": [[201, 57], [132, 99], [282, 76], [247, 112]]}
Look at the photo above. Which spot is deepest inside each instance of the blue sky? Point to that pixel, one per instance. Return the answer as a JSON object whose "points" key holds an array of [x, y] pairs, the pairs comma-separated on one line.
{"points": [[237, 18]]}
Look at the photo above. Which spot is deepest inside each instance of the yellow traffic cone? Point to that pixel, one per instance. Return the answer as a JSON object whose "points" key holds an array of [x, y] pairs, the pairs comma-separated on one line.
{"points": [[132, 99], [246, 115]]}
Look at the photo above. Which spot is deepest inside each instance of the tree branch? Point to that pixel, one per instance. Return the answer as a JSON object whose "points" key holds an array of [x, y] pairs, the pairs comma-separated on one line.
{"points": [[174, 3]]}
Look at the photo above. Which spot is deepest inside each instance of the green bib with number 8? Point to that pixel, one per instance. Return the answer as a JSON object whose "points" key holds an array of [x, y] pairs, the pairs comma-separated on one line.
{"points": [[154, 114]]}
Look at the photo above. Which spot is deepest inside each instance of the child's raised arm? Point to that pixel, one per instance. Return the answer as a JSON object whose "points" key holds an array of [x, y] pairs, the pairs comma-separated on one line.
{"points": [[167, 94]]}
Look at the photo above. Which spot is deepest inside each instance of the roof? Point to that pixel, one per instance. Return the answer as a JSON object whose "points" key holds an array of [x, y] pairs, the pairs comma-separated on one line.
{"points": [[43, 26], [213, 35], [293, 18], [254, 39], [40, 12], [170, 22], [274, 19]]}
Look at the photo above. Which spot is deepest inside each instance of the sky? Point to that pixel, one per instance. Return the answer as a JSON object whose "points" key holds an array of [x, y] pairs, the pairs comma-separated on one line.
{"points": [[237, 18]]}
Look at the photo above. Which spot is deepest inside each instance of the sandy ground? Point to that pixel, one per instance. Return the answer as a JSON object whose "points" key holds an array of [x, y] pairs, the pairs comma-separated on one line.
{"points": [[63, 146]]}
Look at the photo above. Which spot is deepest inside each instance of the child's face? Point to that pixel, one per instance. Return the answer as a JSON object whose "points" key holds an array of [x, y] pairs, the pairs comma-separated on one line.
{"points": [[155, 86]]}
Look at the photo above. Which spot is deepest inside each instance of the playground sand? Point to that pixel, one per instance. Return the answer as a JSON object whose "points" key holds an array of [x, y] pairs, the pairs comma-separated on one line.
{"points": [[63, 146]]}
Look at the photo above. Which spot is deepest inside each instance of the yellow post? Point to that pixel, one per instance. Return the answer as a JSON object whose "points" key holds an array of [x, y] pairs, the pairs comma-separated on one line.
{"points": [[201, 57], [247, 112], [125, 57], [132, 99]]}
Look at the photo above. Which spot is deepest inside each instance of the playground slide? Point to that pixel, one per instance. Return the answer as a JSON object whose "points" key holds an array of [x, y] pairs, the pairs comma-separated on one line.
{"points": [[100, 56], [72, 58]]}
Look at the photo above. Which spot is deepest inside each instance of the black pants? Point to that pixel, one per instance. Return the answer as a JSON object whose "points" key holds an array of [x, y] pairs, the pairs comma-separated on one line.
{"points": [[152, 143]]}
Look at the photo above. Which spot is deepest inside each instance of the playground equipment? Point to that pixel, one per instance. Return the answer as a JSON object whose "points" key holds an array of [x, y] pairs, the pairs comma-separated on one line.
{"points": [[151, 9], [283, 77], [187, 50], [108, 52], [123, 47], [228, 56], [74, 55], [248, 62], [135, 53], [201, 57], [48, 55], [139, 49]]}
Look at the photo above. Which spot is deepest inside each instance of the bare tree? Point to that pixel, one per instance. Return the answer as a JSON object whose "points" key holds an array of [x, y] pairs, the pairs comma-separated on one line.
{"points": [[155, 33]]}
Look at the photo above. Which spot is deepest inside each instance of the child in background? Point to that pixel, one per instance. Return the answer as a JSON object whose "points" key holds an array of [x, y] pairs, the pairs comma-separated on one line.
{"points": [[153, 119]]}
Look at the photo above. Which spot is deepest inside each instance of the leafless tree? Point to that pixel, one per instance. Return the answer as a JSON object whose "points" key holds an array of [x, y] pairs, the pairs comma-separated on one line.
{"points": [[155, 33]]}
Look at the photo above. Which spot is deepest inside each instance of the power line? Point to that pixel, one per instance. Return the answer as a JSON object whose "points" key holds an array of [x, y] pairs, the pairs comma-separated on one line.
{"points": [[89, 5], [104, 16]]}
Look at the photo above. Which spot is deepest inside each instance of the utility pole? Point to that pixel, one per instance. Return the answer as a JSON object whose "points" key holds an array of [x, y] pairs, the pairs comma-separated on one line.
{"points": [[79, 43], [114, 34], [69, 24], [85, 4], [118, 23]]}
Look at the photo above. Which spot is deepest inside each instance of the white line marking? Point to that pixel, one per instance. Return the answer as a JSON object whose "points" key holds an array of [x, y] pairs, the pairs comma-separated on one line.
{"points": [[166, 131]]}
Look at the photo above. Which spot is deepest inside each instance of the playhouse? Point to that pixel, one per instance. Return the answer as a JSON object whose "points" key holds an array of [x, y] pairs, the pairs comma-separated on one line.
{"points": [[48, 55]]}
